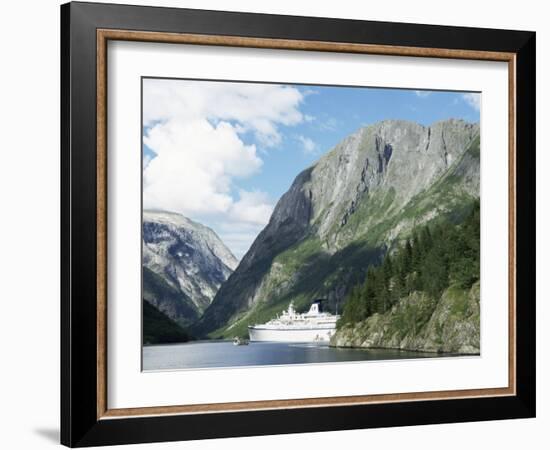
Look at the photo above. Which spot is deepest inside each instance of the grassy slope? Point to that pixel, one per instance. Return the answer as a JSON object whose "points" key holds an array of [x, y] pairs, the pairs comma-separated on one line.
{"points": [[311, 273]]}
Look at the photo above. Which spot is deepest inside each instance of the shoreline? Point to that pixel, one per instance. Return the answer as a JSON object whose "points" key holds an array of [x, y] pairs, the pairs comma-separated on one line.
{"points": [[436, 352], [335, 347], [191, 341]]}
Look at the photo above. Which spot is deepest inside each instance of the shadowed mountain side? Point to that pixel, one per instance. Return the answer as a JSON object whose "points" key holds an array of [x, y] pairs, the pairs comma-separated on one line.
{"points": [[288, 224], [168, 299], [158, 328]]}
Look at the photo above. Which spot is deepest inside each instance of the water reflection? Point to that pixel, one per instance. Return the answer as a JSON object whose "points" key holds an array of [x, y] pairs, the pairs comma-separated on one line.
{"points": [[212, 354]]}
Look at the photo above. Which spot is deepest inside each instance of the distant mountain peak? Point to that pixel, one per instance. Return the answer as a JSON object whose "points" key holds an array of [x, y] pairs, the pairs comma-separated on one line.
{"points": [[183, 257]]}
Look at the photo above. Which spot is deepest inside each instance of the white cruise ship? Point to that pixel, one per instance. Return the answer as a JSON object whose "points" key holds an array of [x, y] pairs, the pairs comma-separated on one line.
{"points": [[313, 326]]}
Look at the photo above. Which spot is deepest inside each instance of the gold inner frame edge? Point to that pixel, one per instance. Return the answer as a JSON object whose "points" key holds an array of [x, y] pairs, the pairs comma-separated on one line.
{"points": [[104, 35]]}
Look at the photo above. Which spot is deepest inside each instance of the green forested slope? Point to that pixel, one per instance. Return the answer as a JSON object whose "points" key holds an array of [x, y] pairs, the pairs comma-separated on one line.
{"points": [[423, 296]]}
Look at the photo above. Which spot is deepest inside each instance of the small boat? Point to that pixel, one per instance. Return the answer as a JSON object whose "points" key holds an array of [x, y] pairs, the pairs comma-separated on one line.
{"points": [[238, 341]]}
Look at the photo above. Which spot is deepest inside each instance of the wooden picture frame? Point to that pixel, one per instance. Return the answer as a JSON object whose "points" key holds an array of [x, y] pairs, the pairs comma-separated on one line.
{"points": [[86, 418]]}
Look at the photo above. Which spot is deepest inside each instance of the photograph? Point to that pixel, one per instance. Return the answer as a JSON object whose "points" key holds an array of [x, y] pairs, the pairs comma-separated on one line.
{"points": [[287, 223], [280, 223]]}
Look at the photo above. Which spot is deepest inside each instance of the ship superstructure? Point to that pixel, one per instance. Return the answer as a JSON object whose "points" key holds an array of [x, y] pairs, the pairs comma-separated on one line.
{"points": [[290, 326]]}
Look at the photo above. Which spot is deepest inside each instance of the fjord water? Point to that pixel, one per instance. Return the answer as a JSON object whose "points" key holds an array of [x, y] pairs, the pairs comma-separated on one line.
{"points": [[212, 354]]}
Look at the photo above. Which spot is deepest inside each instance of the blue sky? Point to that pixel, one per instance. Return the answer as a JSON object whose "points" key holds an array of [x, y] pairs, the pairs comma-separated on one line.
{"points": [[223, 153], [338, 112]]}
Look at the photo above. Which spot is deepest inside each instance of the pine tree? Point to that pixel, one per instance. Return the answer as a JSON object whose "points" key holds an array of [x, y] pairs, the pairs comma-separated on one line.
{"points": [[426, 239], [431, 260], [407, 257], [369, 293], [387, 275], [416, 251]]}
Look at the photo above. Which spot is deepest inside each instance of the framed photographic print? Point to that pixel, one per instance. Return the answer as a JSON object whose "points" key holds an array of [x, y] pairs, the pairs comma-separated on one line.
{"points": [[277, 224]]}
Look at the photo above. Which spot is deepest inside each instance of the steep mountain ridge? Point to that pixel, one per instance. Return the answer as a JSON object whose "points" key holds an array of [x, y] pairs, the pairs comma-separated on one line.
{"points": [[344, 212], [184, 264], [399, 155]]}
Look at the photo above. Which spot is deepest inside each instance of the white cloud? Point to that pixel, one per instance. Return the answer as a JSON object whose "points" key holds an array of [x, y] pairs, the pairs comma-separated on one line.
{"points": [[422, 94], [197, 132], [244, 221], [259, 108], [308, 146], [238, 236], [146, 160], [473, 99], [328, 124], [195, 164], [253, 207]]}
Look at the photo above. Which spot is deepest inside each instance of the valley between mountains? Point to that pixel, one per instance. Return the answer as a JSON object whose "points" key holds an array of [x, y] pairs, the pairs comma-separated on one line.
{"points": [[363, 203]]}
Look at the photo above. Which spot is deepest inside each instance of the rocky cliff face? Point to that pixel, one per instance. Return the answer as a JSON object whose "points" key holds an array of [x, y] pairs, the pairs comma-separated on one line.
{"points": [[417, 322], [184, 264], [400, 157], [346, 210]]}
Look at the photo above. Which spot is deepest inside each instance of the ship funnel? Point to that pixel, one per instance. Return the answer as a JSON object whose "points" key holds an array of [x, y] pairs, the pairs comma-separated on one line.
{"points": [[319, 302]]}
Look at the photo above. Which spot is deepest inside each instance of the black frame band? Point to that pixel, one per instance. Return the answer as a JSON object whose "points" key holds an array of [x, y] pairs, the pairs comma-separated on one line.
{"points": [[79, 423]]}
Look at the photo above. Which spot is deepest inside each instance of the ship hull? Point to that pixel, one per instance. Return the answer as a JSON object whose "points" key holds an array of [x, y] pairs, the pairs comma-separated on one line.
{"points": [[318, 335]]}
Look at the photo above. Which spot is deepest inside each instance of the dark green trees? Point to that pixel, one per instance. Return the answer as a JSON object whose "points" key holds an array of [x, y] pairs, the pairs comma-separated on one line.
{"points": [[158, 328], [431, 260]]}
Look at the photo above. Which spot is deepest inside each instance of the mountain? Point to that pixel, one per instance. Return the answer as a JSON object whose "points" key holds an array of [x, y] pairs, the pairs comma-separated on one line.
{"points": [[184, 264], [343, 213], [158, 328]]}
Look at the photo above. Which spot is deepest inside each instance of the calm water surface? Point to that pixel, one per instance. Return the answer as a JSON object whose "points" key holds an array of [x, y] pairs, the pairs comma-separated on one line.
{"points": [[209, 354]]}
